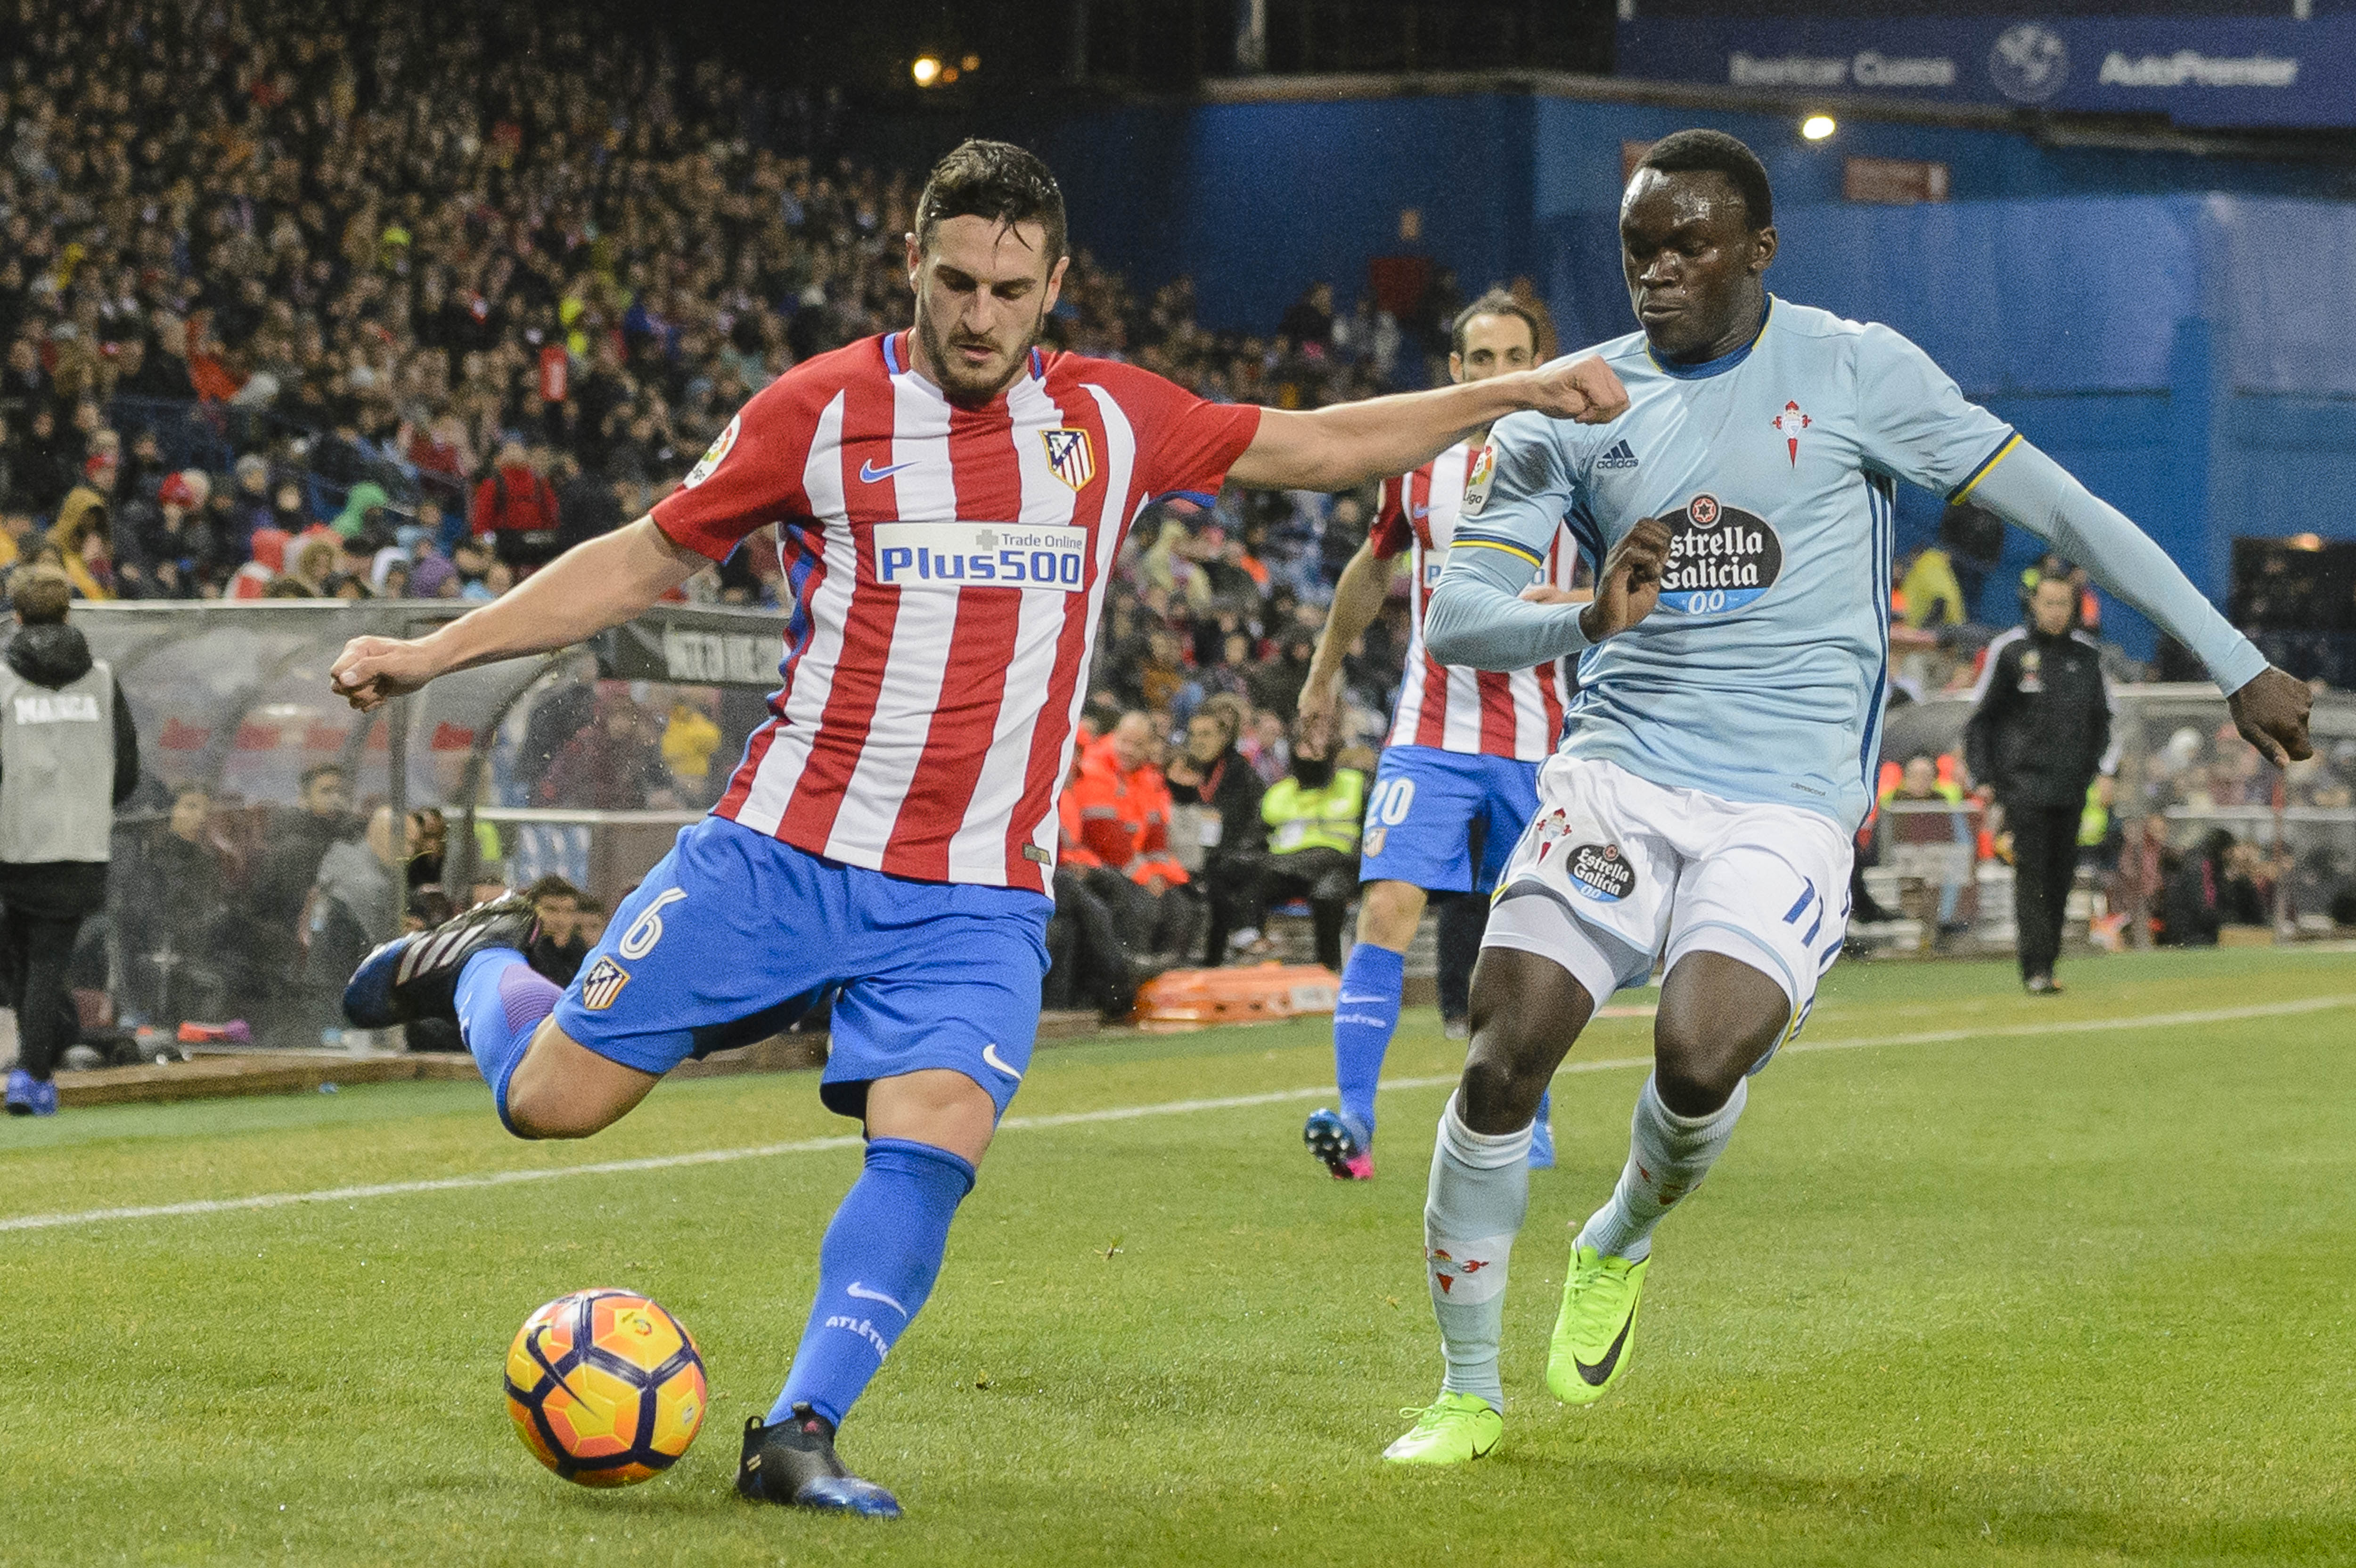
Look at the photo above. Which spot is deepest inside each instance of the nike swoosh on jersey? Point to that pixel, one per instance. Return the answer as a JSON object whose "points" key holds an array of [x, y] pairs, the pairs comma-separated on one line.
{"points": [[990, 1054], [863, 1294], [1418, 513], [870, 474], [1601, 1372]]}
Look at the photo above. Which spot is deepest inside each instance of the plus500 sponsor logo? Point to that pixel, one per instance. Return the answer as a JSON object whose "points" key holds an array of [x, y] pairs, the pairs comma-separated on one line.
{"points": [[962, 555]]}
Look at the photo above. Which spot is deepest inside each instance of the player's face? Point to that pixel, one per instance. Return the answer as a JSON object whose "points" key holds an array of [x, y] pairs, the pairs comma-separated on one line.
{"points": [[1693, 262], [983, 291], [1492, 345]]}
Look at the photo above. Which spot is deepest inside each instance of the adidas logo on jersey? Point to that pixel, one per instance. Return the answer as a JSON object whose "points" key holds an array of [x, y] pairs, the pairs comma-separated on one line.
{"points": [[1619, 456]]}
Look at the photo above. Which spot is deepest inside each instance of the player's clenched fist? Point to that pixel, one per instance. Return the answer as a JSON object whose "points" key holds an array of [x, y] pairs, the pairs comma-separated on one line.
{"points": [[371, 671], [1585, 391], [1629, 583]]}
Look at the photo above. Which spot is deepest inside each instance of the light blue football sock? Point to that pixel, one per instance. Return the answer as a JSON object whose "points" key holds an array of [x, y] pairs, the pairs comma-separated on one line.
{"points": [[1365, 1015], [501, 999], [876, 1266]]}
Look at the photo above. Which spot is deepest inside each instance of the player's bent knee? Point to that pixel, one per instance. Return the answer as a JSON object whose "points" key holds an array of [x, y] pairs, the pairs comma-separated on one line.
{"points": [[561, 1089], [1388, 913]]}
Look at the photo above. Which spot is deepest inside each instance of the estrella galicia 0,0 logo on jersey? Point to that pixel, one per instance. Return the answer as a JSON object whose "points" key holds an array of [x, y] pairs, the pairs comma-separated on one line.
{"points": [[1720, 558], [1600, 872]]}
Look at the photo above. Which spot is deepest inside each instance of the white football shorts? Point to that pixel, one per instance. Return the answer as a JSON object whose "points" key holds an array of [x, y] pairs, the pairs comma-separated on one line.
{"points": [[1615, 871]]}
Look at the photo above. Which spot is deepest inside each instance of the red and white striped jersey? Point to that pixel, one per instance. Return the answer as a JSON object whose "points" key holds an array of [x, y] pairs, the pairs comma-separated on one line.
{"points": [[1487, 712], [946, 567]]}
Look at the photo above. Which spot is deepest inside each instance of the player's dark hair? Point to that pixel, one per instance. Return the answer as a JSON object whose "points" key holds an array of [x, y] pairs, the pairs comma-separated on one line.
{"points": [[1496, 302], [996, 180], [553, 887], [1715, 152]]}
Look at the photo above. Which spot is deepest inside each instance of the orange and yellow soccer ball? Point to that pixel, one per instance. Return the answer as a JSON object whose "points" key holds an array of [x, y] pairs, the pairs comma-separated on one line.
{"points": [[606, 1388]]}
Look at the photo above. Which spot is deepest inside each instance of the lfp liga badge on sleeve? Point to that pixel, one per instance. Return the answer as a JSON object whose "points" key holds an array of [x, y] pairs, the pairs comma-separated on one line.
{"points": [[1071, 456]]}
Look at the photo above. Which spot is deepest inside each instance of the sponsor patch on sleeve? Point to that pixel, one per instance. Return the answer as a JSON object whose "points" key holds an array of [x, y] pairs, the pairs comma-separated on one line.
{"points": [[1482, 475]]}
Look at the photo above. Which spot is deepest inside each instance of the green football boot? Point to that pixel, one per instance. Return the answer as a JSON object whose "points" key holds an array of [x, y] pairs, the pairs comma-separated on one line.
{"points": [[1452, 1430], [1596, 1332]]}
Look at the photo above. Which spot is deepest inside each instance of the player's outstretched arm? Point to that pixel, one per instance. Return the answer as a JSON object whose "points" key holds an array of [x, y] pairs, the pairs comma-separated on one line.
{"points": [[587, 589], [2027, 487], [1351, 443], [1357, 600], [1485, 614]]}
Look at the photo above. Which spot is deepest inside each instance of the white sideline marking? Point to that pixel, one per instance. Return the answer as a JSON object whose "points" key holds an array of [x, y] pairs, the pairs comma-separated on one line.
{"points": [[1115, 1114]]}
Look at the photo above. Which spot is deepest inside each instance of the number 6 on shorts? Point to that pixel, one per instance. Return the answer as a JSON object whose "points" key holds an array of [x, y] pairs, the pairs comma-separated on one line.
{"points": [[646, 930]]}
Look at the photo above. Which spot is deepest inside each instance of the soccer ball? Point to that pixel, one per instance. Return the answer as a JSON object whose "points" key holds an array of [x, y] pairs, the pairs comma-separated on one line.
{"points": [[604, 1387]]}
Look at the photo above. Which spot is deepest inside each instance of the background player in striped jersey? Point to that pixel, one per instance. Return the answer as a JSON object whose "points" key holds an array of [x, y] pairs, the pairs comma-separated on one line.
{"points": [[949, 501], [1458, 779], [1702, 808]]}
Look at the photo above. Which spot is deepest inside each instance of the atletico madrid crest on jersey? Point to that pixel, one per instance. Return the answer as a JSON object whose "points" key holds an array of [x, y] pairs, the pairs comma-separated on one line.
{"points": [[1071, 456]]}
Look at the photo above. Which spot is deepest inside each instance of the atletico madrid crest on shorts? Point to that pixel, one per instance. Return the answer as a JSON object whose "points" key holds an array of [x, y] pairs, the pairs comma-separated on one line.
{"points": [[1071, 456]]}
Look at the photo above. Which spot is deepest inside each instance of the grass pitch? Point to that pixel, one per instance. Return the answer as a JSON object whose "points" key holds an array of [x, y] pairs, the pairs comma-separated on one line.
{"points": [[1995, 1289]]}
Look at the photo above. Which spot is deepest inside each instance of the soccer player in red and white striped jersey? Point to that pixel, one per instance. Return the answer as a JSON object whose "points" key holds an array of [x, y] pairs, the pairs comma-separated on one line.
{"points": [[1458, 780], [949, 501]]}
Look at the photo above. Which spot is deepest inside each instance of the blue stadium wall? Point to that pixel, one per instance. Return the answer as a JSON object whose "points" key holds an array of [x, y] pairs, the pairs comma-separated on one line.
{"points": [[2192, 356]]}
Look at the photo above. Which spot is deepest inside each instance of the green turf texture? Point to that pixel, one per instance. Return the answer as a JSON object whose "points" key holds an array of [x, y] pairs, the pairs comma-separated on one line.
{"points": [[2057, 1298]]}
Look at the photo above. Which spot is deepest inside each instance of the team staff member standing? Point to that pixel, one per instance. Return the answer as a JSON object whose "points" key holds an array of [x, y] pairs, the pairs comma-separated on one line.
{"points": [[2040, 733], [69, 756]]}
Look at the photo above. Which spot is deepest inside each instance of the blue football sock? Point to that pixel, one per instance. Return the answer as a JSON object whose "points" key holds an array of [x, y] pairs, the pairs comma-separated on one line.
{"points": [[1365, 1018], [876, 1266], [1546, 1109], [501, 999]]}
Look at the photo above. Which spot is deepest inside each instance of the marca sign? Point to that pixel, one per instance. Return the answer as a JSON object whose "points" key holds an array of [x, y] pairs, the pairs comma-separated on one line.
{"points": [[2200, 70]]}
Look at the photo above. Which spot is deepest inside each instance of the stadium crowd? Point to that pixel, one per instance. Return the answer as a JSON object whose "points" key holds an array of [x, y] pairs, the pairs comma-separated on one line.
{"points": [[331, 301]]}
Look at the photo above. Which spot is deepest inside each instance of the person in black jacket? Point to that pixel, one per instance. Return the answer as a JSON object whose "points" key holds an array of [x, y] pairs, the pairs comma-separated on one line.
{"points": [[2039, 734], [1210, 773]]}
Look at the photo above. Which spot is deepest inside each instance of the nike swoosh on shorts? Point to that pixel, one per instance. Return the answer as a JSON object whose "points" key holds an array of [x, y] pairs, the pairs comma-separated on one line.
{"points": [[990, 1054]]}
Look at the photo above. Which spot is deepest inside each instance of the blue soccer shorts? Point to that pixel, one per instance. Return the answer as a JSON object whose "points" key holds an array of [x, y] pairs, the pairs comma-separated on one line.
{"points": [[1445, 821], [734, 933]]}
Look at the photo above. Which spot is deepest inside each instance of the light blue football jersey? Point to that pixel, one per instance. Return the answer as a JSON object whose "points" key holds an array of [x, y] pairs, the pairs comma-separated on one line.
{"points": [[1762, 674]]}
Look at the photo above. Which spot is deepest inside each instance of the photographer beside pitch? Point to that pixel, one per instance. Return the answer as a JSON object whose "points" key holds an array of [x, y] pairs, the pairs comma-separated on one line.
{"points": [[1723, 744]]}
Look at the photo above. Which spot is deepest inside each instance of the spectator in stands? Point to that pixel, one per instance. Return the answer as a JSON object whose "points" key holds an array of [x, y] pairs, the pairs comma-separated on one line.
{"points": [[2039, 734], [562, 948], [175, 932], [69, 756], [1088, 960], [1933, 841], [613, 766], [1216, 797], [1124, 809], [352, 907], [516, 509], [80, 532], [1313, 815], [2210, 889], [690, 736]]}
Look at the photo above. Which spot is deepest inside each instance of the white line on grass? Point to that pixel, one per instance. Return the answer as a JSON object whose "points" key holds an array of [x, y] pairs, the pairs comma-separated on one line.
{"points": [[1116, 1114]]}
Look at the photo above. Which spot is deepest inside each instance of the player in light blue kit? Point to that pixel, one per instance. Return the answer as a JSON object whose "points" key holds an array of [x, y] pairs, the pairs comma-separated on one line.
{"points": [[1733, 672]]}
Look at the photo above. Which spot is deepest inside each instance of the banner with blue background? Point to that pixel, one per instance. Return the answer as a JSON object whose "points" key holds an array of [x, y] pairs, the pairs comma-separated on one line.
{"points": [[2199, 70]]}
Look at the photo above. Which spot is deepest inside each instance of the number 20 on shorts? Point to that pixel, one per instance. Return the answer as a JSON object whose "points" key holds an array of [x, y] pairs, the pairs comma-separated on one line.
{"points": [[1390, 802]]}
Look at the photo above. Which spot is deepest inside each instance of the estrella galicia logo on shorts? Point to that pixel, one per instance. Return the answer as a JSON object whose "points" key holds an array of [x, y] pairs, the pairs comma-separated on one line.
{"points": [[1720, 558], [603, 983], [1600, 872]]}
